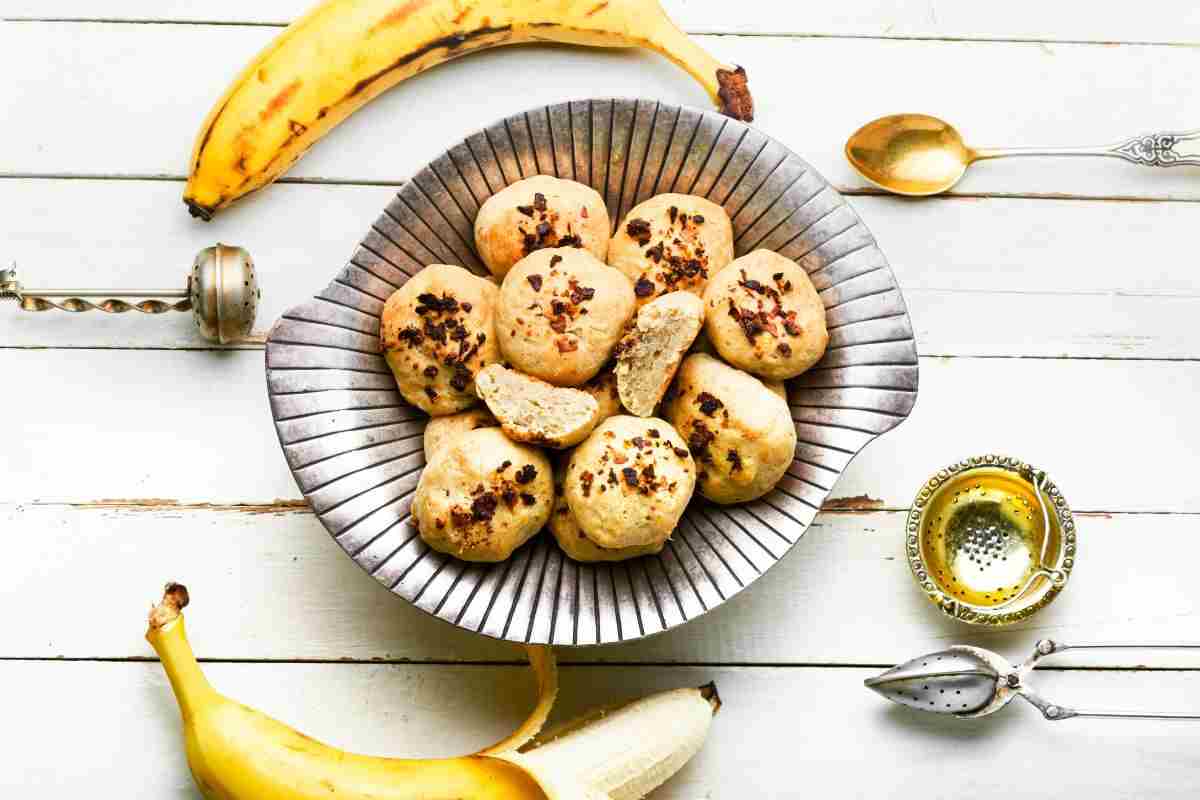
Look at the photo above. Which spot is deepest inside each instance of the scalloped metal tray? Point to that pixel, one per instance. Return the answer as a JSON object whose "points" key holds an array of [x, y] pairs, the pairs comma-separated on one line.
{"points": [[354, 445]]}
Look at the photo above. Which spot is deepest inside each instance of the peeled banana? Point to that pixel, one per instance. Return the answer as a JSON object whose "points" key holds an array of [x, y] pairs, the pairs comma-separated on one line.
{"points": [[237, 753], [341, 54]]}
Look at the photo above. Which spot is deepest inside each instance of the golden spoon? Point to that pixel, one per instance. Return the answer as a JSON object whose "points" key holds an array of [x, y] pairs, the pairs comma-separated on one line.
{"points": [[919, 155]]}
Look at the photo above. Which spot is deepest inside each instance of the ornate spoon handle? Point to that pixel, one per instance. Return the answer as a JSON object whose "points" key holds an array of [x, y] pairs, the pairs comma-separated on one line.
{"points": [[1168, 149]]}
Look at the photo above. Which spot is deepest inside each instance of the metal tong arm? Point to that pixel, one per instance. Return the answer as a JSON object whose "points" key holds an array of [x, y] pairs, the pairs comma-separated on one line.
{"points": [[1055, 712]]}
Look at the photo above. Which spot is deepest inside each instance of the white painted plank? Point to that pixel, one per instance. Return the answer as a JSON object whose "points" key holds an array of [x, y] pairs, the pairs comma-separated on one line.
{"points": [[843, 596], [134, 77], [1174, 21], [195, 427], [79, 234], [1090, 279], [781, 732]]}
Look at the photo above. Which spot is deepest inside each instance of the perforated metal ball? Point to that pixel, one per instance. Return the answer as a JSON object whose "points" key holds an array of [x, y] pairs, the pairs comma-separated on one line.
{"points": [[224, 293]]}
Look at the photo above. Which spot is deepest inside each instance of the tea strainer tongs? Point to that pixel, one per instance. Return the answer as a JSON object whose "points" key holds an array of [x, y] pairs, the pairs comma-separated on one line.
{"points": [[221, 292], [972, 682]]}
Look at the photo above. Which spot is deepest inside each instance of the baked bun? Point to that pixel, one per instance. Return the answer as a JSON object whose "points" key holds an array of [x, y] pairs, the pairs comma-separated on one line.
{"points": [[534, 411], [672, 242], [536, 213], [437, 331], [650, 352], [441, 430], [561, 314], [570, 536], [482, 496], [739, 431], [763, 315], [629, 482]]}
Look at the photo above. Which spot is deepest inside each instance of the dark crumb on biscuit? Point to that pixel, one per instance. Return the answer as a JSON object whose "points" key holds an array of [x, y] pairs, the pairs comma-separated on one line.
{"points": [[639, 230], [680, 452], [565, 345], [431, 393], [630, 475], [431, 371], [555, 260], [483, 508], [526, 474], [653, 433], [708, 403], [784, 349], [528, 499], [585, 483], [698, 441], [535, 281], [735, 461], [504, 466], [643, 288], [539, 201]]}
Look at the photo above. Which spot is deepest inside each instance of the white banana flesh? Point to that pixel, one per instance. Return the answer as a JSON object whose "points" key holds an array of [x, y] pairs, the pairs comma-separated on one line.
{"points": [[627, 753]]}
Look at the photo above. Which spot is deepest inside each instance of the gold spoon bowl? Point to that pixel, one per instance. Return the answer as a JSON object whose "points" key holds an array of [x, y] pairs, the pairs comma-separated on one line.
{"points": [[920, 155]]}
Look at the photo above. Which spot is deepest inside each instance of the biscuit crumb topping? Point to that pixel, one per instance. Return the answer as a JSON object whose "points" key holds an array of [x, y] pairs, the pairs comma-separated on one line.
{"points": [[545, 231]]}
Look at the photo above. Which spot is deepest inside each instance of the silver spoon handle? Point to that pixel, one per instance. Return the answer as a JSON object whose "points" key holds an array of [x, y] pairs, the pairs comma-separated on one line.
{"points": [[1166, 149]]}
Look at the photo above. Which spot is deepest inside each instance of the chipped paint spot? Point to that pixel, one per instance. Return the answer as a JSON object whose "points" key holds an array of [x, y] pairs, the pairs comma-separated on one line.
{"points": [[860, 502], [153, 504]]}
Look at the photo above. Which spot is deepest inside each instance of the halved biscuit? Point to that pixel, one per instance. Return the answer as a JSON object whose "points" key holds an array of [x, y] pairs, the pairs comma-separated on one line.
{"points": [[531, 410]]}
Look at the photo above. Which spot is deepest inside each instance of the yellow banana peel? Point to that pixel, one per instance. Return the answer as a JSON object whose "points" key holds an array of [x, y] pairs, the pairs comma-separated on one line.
{"points": [[237, 753], [341, 54]]}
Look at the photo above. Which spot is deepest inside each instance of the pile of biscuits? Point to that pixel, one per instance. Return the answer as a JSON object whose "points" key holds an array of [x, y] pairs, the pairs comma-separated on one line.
{"points": [[594, 381]]}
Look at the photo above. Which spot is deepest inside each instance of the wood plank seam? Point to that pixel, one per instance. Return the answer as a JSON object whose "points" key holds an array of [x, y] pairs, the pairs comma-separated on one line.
{"points": [[691, 29]]}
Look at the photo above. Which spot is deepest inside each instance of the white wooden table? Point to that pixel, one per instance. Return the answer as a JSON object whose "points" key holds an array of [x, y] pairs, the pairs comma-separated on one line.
{"points": [[1056, 306]]}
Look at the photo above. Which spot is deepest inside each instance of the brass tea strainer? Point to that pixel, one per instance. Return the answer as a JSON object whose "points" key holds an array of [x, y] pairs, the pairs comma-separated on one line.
{"points": [[990, 540]]}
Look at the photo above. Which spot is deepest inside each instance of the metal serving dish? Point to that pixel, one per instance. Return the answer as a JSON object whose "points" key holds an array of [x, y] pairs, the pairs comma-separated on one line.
{"points": [[354, 445]]}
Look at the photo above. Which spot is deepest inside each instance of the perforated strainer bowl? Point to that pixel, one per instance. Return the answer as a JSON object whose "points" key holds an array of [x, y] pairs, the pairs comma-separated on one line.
{"points": [[990, 540], [354, 445]]}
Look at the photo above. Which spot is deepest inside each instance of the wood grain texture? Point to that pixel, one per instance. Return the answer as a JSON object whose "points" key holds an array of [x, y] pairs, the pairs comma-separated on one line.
{"points": [[1088, 279], [843, 596], [1050, 94], [1173, 21], [195, 428], [780, 733]]}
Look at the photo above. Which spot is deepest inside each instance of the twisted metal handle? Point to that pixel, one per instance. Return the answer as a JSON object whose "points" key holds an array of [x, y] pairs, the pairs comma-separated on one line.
{"points": [[150, 301], [110, 305]]}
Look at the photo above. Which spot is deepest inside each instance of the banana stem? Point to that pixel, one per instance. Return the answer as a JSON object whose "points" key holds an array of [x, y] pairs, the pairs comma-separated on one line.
{"points": [[726, 84], [167, 636]]}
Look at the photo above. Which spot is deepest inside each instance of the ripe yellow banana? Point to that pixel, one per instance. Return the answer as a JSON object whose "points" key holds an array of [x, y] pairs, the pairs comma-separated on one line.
{"points": [[237, 753], [343, 53]]}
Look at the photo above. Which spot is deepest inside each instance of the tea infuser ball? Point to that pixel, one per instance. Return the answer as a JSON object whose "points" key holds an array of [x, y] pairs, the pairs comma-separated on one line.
{"points": [[222, 293]]}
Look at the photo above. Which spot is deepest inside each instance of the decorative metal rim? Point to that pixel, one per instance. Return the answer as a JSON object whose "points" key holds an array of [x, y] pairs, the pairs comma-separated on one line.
{"points": [[974, 614], [354, 446]]}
